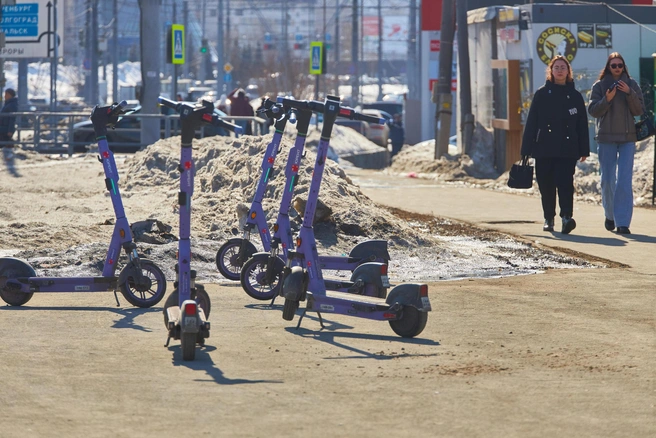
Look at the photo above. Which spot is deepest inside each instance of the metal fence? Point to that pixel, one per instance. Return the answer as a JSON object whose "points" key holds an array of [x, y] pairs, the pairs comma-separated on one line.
{"points": [[56, 133]]}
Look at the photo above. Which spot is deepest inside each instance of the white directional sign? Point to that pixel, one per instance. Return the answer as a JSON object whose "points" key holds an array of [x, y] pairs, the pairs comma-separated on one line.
{"points": [[29, 28]]}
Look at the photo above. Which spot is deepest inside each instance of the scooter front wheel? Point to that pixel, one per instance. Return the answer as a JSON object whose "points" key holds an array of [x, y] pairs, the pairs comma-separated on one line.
{"points": [[15, 268], [227, 257], [254, 277], [289, 310], [199, 295], [145, 292], [411, 323], [188, 345]]}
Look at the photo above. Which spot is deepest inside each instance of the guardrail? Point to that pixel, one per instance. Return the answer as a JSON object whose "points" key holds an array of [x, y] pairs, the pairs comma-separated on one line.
{"points": [[55, 132]]}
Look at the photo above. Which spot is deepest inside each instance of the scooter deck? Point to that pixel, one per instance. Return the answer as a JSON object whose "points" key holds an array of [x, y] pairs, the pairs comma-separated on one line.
{"points": [[72, 284], [345, 296]]}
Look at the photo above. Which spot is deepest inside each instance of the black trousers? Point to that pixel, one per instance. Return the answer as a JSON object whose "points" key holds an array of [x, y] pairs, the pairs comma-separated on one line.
{"points": [[556, 174]]}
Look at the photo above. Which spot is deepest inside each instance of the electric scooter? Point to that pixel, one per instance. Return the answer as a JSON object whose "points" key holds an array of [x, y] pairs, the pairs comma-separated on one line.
{"points": [[260, 274], [187, 308], [141, 282], [406, 306], [232, 254]]}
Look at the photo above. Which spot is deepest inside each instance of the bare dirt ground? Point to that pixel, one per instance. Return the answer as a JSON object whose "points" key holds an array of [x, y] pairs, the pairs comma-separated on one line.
{"points": [[565, 353]]}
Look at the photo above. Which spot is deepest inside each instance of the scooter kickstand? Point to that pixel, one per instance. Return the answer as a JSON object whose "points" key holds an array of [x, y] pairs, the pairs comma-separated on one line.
{"points": [[321, 320], [300, 319], [167, 341], [272, 301], [118, 304]]}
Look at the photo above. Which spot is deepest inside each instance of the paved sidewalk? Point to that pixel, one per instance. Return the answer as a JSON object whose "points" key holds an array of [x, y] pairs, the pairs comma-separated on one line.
{"points": [[519, 215]]}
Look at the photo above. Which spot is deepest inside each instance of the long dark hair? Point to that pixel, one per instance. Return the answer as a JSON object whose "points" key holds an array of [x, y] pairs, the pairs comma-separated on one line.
{"points": [[570, 76], [606, 70]]}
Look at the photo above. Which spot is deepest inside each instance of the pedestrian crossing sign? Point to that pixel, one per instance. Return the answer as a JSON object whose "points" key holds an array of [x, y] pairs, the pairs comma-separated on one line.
{"points": [[317, 58], [177, 44]]}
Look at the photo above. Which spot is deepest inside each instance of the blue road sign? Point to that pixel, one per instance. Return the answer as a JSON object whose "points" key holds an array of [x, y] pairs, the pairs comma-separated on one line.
{"points": [[227, 77], [177, 48], [21, 20]]}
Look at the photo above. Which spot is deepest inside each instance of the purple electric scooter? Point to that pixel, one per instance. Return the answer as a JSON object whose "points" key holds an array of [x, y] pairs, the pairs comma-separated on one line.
{"points": [[232, 255], [187, 308], [141, 282], [406, 306], [261, 273]]}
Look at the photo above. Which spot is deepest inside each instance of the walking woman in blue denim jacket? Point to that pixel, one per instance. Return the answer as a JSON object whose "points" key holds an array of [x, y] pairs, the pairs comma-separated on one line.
{"points": [[614, 101]]}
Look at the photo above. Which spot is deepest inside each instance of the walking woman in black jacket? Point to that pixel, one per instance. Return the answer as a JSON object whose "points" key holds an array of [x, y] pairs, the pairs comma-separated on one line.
{"points": [[556, 135]]}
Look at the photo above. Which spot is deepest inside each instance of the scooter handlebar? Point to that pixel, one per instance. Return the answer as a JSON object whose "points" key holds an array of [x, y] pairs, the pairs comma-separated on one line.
{"points": [[117, 108], [215, 120], [344, 111], [167, 102]]}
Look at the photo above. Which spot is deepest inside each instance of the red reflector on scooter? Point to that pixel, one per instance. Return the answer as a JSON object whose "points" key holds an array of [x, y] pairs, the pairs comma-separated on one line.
{"points": [[423, 290], [383, 270], [389, 315], [190, 309], [207, 117]]}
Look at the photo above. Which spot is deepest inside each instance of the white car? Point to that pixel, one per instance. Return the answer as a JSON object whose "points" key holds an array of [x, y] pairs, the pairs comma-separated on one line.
{"points": [[377, 133]]}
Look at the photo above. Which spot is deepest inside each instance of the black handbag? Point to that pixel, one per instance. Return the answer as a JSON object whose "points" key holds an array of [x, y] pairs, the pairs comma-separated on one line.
{"points": [[645, 127], [521, 175]]}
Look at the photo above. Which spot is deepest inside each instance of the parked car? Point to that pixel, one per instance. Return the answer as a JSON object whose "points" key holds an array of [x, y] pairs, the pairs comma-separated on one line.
{"points": [[379, 134], [126, 137], [359, 125], [388, 106]]}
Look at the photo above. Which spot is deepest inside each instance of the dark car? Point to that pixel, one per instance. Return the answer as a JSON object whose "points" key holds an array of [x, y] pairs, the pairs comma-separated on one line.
{"points": [[389, 106], [126, 137]]}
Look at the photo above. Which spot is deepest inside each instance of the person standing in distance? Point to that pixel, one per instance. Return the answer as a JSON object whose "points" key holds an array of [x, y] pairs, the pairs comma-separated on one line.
{"points": [[556, 136], [614, 101], [8, 125]]}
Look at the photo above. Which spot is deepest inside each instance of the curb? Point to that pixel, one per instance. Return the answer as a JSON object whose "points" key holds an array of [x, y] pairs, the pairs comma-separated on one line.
{"points": [[369, 160]]}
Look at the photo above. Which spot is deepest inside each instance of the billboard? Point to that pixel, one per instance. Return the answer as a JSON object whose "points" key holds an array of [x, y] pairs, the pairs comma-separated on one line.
{"points": [[29, 28]]}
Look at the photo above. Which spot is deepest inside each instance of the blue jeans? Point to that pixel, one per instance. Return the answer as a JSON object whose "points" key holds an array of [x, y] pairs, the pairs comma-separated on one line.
{"points": [[616, 166]]}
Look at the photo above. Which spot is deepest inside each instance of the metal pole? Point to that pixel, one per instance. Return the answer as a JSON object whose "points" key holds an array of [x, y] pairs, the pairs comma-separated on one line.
{"points": [[94, 53], [219, 53], [115, 52], [380, 52], [444, 106], [174, 75], [412, 70], [467, 118], [355, 79], [53, 61], [185, 20]]}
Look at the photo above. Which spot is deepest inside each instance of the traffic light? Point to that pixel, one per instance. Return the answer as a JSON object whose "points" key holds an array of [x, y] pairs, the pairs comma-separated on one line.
{"points": [[203, 46]]}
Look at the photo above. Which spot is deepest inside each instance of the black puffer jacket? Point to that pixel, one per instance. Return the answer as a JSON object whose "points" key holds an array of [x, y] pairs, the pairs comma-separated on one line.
{"points": [[557, 124], [8, 123]]}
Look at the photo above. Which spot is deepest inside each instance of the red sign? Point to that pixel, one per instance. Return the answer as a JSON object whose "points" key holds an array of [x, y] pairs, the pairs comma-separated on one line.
{"points": [[431, 14], [370, 26], [435, 45], [432, 82]]}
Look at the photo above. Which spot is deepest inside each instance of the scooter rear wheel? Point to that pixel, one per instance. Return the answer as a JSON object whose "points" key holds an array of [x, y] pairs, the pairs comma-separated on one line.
{"points": [[150, 292], [199, 295], [253, 277], [289, 310], [188, 345], [227, 258], [412, 322], [14, 268]]}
